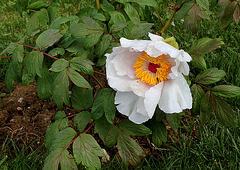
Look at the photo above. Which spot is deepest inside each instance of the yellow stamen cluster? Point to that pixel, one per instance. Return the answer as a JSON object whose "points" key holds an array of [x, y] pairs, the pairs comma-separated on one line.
{"points": [[142, 69]]}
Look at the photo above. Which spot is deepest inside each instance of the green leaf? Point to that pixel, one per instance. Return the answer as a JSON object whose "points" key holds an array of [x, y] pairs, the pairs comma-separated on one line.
{"points": [[159, 133], [43, 17], [44, 84], [92, 39], [38, 5], [224, 112], [77, 79], [183, 11], [10, 48], [203, 4], [116, 17], [63, 124], [63, 138], [227, 17], [61, 20], [205, 45], [52, 160], [236, 15], [32, 65], [132, 13], [32, 25], [56, 51], [206, 107], [99, 17], [11, 76], [102, 127], [152, 3], [129, 150], [103, 44], [53, 11], [104, 103], [81, 120], [21, 6], [61, 88], [199, 62], [197, 93], [51, 133], [118, 26], [91, 23], [172, 41], [81, 98], [210, 76], [59, 65], [174, 120], [81, 64], [139, 30], [107, 7], [60, 115], [86, 151], [48, 38], [67, 161], [226, 90], [111, 137], [134, 129], [79, 30]]}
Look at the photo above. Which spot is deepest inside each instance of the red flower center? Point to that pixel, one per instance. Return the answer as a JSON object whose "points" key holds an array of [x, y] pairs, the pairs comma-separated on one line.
{"points": [[153, 67]]}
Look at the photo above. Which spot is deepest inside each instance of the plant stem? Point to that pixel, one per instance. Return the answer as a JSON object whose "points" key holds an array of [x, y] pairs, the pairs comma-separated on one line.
{"points": [[41, 51], [6, 57], [98, 4], [169, 20], [99, 73], [97, 81], [74, 5], [112, 36], [160, 18]]}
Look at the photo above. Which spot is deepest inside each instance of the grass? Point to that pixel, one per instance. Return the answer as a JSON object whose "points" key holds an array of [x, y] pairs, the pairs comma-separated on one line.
{"points": [[214, 146]]}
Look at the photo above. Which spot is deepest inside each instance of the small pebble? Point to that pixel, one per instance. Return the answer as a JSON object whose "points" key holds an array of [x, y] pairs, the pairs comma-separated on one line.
{"points": [[19, 108], [20, 100]]}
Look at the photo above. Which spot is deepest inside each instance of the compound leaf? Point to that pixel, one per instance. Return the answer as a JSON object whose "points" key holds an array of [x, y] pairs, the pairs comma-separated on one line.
{"points": [[210, 76]]}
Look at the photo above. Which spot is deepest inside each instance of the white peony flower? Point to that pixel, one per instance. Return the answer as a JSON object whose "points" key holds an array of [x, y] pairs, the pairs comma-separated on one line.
{"points": [[147, 73]]}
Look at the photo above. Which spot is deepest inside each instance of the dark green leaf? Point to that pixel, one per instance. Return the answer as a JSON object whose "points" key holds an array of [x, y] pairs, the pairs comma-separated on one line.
{"points": [[91, 23], [102, 127], [10, 48], [129, 150], [63, 138], [206, 107], [224, 112], [203, 4], [192, 19], [104, 102], [132, 13], [134, 129], [22, 6], [209, 76], [77, 79], [38, 5], [92, 39], [61, 20], [103, 44], [159, 133], [32, 25], [99, 17], [174, 120], [152, 3], [63, 124], [81, 98], [56, 51], [199, 62], [48, 38], [53, 12], [226, 90], [59, 65], [183, 11], [32, 65], [51, 133], [44, 84], [67, 162], [43, 17], [107, 7], [61, 88], [205, 45], [11, 76], [86, 151], [81, 120], [76, 46], [227, 17], [118, 26], [79, 30], [111, 137], [197, 93], [116, 17], [82, 65], [60, 115], [140, 30], [52, 160]]}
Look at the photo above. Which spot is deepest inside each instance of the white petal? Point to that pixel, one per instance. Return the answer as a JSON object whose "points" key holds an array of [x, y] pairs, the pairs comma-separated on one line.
{"points": [[167, 49], [152, 98], [176, 96], [128, 104], [155, 37], [123, 63], [184, 68], [139, 88], [134, 45], [120, 83]]}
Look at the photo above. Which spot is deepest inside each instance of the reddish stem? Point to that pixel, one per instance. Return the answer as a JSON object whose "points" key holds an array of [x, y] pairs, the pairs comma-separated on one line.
{"points": [[203, 86], [160, 18], [112, 36], [99, 72], [40, 51], [66, 52], [6, 57], [89, 127]]}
